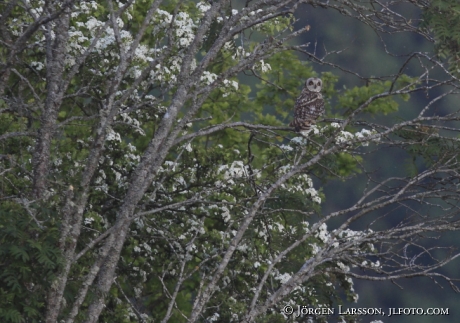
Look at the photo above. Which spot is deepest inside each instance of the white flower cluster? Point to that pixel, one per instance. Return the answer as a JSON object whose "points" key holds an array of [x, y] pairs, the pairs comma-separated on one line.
{"points": [[315, 248], [364, 133], [235, 170], [208, 77], [213, 318], [264, 231], [183, 25], [346, 235], [38, 65], [112, 135], [184, 29], [162, 73], [375, 264], [350, 235], [132, 122], [343, 267], [300, 141], [233, 84], [226, 216], [240, 52], [345, 136], [252, 13], [315, 129], [283, 278], [100, 181], [302, 184], [322, 233], [286, 148], [203, 7], [83, 33], [357, 236], [228, 86], [263, 67], [351, 289]]}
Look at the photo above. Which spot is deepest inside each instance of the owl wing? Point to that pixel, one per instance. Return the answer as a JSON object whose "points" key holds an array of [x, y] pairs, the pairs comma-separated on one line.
{"points": [[309, 106]]}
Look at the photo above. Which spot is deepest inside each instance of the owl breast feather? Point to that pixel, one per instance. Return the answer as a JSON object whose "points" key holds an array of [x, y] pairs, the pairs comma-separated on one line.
{"points": [[309, 107]]}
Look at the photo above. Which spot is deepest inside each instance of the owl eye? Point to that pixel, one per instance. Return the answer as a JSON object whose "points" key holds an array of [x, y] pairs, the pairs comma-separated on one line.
{"points": [[310, 83]]}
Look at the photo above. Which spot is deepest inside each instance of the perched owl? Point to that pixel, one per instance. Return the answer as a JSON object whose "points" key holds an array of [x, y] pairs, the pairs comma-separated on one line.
{"points": [[309, 106]]}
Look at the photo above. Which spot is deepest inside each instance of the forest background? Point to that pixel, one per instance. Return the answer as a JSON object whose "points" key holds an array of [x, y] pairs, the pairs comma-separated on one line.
{"points": [[364, 53], [148, 172]]}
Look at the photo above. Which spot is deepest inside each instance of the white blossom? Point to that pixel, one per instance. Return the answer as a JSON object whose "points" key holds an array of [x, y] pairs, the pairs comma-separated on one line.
{"points": [[286, 148], [112, 135], [38, 65], [283, 278], [213, 318], [208, 77], [203, 7]]}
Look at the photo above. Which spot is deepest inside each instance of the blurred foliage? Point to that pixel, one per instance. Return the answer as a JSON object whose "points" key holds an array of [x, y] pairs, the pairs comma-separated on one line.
{"points": [[443, 18], [29, 258]]}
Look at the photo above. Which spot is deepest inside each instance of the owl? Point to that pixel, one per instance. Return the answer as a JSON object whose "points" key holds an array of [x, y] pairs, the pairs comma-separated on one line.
{"points": [[309, 106]]}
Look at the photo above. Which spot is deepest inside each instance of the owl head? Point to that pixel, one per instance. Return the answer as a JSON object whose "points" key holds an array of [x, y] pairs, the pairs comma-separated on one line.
{"points": [[314, 84]]}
